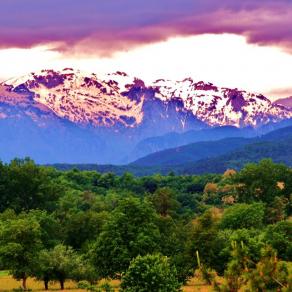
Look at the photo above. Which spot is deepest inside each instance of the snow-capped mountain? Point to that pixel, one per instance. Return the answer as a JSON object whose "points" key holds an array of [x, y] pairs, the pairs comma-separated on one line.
{"points": [[80, 99], [108, 115], [119, 99], [115, 100], [222, 106]]}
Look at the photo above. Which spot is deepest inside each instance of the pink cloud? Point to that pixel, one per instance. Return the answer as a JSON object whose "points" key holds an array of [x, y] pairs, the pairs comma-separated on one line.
{"points": [[106, 26]]}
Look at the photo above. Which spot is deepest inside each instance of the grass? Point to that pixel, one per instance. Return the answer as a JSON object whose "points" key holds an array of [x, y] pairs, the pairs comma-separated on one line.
{"points": [[3, 273], [7, 283]]}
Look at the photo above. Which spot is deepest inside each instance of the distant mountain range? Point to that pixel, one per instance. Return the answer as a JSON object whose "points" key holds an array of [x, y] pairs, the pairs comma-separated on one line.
{"points": [[71, 117], [172, 140], [206, 157]]}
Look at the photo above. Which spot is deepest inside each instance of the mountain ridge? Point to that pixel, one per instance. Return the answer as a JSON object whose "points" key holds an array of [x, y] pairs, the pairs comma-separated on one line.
{"points": [[194, 152], [287, 102], [117, 97]]}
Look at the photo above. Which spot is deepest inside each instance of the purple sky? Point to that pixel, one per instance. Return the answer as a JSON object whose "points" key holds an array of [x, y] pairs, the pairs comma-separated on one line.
{"points": [[112, 25], [233, 43]]}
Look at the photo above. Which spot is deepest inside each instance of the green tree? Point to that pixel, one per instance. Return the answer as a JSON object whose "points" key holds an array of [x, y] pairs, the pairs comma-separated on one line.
{"points": [[243, 216], [43, 270], [279, 236], [204, 239], [277, 211], [20, 241], [250, 238], [175, 240], [236, 268], [85, 270], [150, 273], [82, 227], [270, 274], [56, 264], [25, 186], [260, 182], [150, 184], [51, 232], [131, 230], [164, 201]]}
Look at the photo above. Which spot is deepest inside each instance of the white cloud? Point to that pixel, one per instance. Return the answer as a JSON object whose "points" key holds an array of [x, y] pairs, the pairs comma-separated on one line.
{"points": [[226, 60]]}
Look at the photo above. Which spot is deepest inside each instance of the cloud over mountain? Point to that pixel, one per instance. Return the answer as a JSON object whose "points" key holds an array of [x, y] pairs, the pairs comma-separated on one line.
{"points": [[116, 25]]}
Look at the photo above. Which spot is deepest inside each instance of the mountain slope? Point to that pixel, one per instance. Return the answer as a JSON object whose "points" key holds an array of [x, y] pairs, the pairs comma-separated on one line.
{"points": [[191, 152], [172, 140]]}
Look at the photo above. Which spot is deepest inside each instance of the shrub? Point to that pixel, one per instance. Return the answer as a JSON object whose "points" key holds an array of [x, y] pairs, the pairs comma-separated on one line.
{"points": [[150, 273]]}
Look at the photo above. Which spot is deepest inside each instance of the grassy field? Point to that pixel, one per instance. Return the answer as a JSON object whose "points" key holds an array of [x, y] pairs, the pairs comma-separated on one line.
{"points": [[7, 283]]}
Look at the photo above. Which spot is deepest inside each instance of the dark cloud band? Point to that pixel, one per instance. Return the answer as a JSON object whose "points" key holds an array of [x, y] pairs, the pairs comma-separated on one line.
{"points": [[110, 25]]}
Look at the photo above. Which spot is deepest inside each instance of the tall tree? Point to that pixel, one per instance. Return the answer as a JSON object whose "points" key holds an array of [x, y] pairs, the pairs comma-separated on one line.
{"points": [[25, 186], [164, 201], [203, 238], [130, 231]]}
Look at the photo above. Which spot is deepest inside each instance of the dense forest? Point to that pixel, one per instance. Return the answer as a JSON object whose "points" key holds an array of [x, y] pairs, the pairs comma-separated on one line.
{"points": [[153, 233]]}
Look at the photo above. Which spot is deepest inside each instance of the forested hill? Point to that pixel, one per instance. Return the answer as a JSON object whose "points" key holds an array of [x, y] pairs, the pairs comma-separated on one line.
{"points": [[278, 151], [202, 150], [205, 157], [230, 230]]}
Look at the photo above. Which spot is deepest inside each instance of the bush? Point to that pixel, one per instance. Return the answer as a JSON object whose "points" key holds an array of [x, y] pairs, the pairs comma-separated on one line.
{"points": [[150, 273], [86, 285], [105, 287]]}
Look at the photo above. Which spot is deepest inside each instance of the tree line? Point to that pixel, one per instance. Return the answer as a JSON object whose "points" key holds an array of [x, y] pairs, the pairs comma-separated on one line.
{"points": [[153, 232]]}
